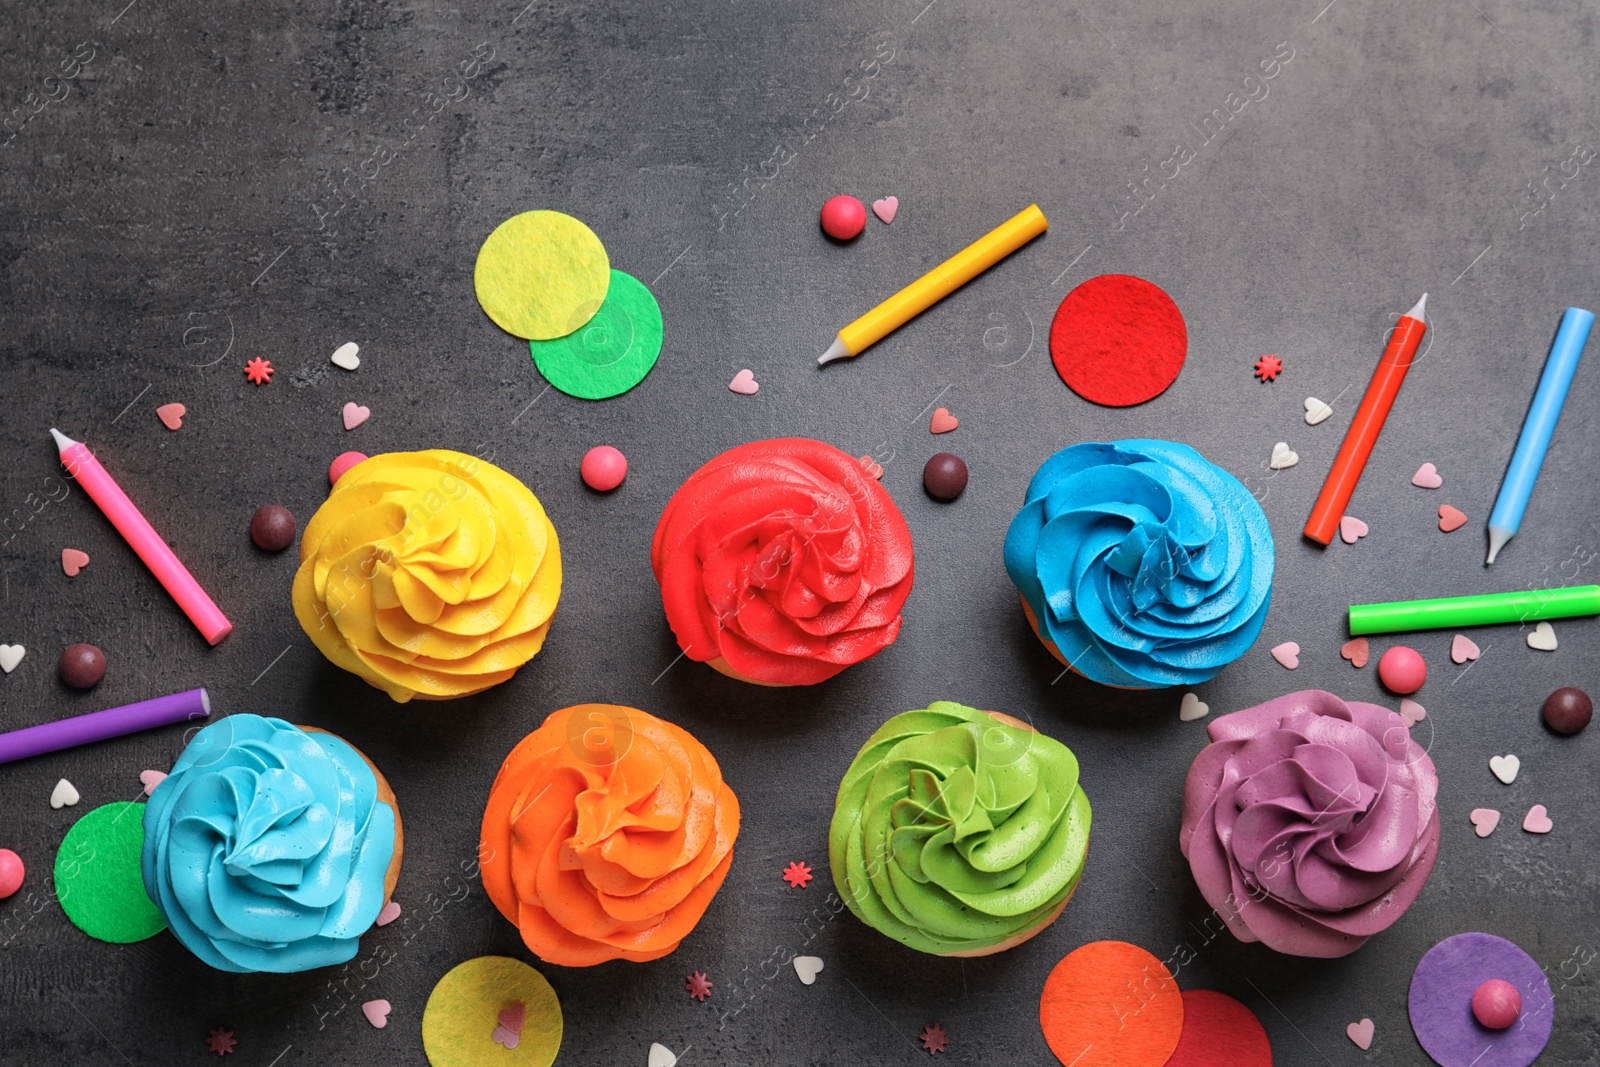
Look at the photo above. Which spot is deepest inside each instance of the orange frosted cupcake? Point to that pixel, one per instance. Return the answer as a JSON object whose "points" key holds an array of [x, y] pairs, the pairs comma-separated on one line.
{"points": [[606, 835]]}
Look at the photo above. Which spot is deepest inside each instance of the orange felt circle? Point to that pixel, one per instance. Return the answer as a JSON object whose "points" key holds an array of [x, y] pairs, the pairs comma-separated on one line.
{"points": [[1111, 1004], [1218, 1031]]}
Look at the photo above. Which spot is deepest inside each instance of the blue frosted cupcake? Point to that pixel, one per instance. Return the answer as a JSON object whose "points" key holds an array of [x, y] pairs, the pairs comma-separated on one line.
{"points": [[1141, 564], [271, 847]]}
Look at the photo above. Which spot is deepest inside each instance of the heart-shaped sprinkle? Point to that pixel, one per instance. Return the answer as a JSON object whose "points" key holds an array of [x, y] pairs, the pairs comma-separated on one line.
{"points": [[171, 415], [1352, 529], [345, 356], [1427, 477], [1543, 637], [10, 656], [1451, 518], [355, 415], [1316, 411], [1287, 654], [1360, 1033], [151, 779], [662, 1056], [1356, 651], [73, 560], [1537, 821], [870, 467], [1283, 457], [887, 208], [1463, 648], [943, 421], [1412, 712], [1191, 707], [1505, 768], [390, 912], [1484, 820], [377, 1012], [744, 383], [65, 794], [508, 1031], [806, 968]]}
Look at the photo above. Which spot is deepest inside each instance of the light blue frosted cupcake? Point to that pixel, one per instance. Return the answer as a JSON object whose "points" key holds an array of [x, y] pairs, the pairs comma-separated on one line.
{"points": [[1141, 564]]}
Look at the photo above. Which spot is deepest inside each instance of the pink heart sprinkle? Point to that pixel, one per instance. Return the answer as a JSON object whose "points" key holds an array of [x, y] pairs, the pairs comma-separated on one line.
{"points": [[73, 560], [509, 1030], [171, 415], [377, 1012], [355, 415], [943, 421], [1355, 651], [1360, 1033], [1451, 518], [1484, 820], [151, 779], [744, 383], [1537, 821], [1412, 712], [886, 209], [1287, 654], [390, 912], [1352, 529], [1427, 477], [870, 467], [1463, 648]]}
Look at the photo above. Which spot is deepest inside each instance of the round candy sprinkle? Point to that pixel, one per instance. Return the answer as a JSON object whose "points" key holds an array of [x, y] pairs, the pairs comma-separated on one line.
{"points": [[843, 217], [272, 527], [11, 872], [945, 476], [82, 666], [343, 462], [1402, 670], [603, 468], [1496, 1004], [1568, 710]]}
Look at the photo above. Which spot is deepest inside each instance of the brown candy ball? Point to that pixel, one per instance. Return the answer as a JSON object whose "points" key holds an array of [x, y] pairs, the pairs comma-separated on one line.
{"points": [[82, 666], [945, 476], [1568, 710], [272, 527]]}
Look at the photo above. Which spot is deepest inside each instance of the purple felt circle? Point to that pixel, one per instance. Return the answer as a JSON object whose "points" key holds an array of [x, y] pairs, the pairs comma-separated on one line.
{"points": [[1441, 1003]]}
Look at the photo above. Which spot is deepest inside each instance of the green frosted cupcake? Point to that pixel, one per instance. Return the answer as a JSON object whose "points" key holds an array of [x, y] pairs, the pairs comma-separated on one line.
{"points": [[959, 832]]}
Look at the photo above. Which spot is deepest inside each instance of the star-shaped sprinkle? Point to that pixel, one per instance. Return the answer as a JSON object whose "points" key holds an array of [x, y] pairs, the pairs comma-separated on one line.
{"points": [[259, 371], [221, 1042], [797, 875], [1267, 368], [698, 985], [934, 1039]]}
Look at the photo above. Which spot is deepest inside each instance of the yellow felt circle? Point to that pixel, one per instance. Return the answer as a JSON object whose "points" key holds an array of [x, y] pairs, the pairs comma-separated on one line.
{"points": [[541, 275], [464, 1014]]}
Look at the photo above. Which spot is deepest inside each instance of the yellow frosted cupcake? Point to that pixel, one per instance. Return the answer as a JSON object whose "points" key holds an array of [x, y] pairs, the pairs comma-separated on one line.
{"points": [[429, 574]]}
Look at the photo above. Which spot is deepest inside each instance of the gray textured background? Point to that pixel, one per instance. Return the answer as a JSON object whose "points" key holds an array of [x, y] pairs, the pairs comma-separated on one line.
{"points": [[171, 212]]}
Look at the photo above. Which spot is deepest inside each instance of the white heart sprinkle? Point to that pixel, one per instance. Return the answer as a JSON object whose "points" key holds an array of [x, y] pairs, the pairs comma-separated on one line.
{"points": [[10, 656], [662, 1056], [1543, 638], [345, 356], [1505, 768], [806, 967], [1411, 711], [1316, 411], [1283, 457], [1191, 707], [63, 795]]}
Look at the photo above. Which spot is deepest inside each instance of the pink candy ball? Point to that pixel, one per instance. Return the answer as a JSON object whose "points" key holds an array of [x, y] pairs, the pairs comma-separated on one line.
{"points": [[1402, 670], [843, 217], [1497, 1004], [11, 872], [603, 468], [343, 462]]}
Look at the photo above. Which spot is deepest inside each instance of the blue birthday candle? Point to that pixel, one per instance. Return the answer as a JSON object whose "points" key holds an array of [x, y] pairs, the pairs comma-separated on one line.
{"points": [[1538, 426]]}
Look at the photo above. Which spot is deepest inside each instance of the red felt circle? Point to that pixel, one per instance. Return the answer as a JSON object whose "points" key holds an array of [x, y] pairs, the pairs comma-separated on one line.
{"points": [[1118, 340], [1218, 1031]]}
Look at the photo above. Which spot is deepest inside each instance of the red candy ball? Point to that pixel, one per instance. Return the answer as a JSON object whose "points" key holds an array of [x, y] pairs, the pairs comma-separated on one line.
{"points": [[843, 217], [1496, 1004], [1402, 670], [343, 462], [603, 468], [11, 872]]}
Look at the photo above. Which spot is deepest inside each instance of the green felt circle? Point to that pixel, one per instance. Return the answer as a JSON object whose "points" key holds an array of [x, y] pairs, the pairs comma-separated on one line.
{"points": [[98, 879], [612, 352]]}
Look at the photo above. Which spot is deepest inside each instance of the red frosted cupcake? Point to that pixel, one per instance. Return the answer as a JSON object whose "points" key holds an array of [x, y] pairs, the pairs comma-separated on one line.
{"points": [[782, 563]]}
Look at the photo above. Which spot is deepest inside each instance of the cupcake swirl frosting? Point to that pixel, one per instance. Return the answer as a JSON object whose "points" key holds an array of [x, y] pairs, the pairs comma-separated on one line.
{"points": [[606, 835], [428, 573], [1141, 562], [1310, 822], [267, 847], [954, 831], [784, 559]]}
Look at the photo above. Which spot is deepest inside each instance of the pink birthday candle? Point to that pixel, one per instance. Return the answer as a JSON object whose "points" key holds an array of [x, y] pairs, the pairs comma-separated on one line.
{"points": [[136, 530]]}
